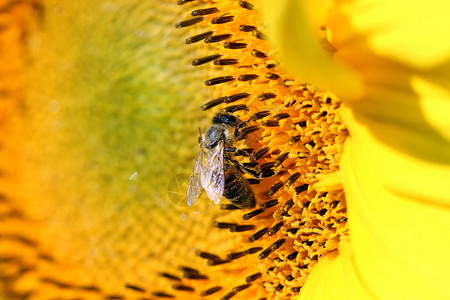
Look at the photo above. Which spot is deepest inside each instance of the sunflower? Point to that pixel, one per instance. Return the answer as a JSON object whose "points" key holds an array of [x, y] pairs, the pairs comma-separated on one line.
{"points": [[101, 105]]}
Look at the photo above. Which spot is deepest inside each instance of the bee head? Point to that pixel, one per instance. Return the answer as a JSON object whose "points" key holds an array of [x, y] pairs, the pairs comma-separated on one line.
{"points": [[225, 118]]}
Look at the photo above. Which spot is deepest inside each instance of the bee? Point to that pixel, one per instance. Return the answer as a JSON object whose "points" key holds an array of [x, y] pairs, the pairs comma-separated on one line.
{"points": [[214, 170]]}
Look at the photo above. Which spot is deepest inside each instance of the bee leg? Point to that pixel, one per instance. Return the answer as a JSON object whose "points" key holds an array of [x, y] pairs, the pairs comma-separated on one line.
{"points": [[256, 116], [237, 151], [254, 173], [243, 153], [239, 127]]}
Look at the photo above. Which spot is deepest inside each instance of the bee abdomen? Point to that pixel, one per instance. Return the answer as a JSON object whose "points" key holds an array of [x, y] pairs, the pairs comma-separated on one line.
{"points": [[237, 190]]}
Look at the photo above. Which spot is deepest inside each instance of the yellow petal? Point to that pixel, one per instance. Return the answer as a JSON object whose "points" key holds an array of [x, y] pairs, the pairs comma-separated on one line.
{"points": [[398, 209], [296, 35], [412, 32], [435, 102], [396, 169], [398, 214], [339, 275]]}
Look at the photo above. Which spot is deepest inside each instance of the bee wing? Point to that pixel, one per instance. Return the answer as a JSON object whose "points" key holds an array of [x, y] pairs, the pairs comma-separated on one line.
{"points": [[213, 176], [194, 188]]}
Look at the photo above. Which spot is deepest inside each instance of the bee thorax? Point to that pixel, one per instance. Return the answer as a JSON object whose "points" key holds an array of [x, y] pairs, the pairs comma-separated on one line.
{"points": [[213, 135]]}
